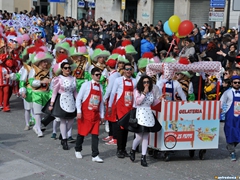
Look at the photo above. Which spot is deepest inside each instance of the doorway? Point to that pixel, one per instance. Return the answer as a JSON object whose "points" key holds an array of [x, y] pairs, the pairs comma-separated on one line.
{"points": [[131, 10]]}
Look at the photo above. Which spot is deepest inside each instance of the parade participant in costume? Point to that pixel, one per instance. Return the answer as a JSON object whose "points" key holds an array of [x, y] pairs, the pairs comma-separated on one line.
{"points": [[144, 98], [130, 52], [89, 49], [25, 89], [123, 87], [39, 78], [210, 88], [231, 98], [6, 77], [113, 75], [77, 54], [14, 49], [183, 78], [61, 48], [35, 34], [99, 57], [146, 59], [62, 103], [169, 87], [119, 55], [40, 26], [90, 111]]}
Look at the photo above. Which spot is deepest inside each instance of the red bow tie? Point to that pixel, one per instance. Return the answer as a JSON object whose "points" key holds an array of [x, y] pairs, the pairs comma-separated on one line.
{"points": [[96, 84], [129, 80]]}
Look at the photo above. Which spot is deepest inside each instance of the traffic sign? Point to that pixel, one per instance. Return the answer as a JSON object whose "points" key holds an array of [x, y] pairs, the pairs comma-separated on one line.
{"points": [[91, 4], [81, 4], [217, 4]]}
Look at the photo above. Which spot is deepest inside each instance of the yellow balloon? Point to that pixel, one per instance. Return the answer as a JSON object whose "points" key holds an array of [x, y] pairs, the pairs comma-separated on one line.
{"points": [[174, 22]]}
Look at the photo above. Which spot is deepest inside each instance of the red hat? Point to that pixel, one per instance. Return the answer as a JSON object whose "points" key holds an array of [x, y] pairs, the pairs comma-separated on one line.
{"points": [[183, 60], [111, 63]]}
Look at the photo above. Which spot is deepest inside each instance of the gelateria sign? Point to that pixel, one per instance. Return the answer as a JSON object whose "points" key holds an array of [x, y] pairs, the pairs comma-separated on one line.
{"points": [[189, 111]]}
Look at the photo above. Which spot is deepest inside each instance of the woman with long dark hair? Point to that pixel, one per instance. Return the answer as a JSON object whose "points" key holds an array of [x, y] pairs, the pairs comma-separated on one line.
{"points": [[147, 122], [62, 103]]}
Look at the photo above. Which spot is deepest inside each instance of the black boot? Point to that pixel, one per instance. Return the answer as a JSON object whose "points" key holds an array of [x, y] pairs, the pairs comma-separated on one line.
{"points": [[143, 161], [64, 144], [132, 155]]}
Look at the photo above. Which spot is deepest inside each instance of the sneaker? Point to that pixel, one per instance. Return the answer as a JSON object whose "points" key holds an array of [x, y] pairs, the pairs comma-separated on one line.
{"points": [[78, 155], [112, 142], [40, 134], [233, 156], [71, 140], [108, 138], [97, 159], [54, 136], [107, 126], [26, 128], [35, 129], [43, 128]]}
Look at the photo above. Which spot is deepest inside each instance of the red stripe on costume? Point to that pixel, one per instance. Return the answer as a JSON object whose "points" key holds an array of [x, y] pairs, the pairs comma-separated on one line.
{"points": [[165, 110], [204, 110], [209, 109], [215, 110], [177, 107], [171, 111]]}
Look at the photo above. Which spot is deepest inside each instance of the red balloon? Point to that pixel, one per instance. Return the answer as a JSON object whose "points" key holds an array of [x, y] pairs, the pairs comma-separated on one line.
{"points": [[185, 28]]}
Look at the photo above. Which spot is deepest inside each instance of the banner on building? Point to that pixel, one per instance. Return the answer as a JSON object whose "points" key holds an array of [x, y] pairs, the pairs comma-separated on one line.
{"points": [[57, 1], [123, 5]]}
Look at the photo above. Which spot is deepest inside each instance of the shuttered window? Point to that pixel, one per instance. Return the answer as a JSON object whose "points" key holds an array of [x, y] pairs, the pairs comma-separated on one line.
{"points": [[199, 11], [163, 10]]}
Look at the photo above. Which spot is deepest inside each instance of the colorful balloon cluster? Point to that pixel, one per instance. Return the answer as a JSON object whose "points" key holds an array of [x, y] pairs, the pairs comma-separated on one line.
{"points": [[174, 25]]}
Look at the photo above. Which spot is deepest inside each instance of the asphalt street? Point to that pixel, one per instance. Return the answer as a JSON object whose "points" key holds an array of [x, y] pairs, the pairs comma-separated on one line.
{"points": [[24, 156]]}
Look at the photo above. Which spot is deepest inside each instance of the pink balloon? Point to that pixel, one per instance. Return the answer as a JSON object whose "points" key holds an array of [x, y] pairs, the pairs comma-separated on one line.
{"points": [[185, 28]]}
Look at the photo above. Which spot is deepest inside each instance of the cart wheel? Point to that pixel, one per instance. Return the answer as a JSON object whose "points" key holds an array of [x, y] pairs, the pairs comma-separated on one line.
{"points": [[191, 153], [170, 141], [150, 152], [166, 157], [155, 154], [202, 152]]}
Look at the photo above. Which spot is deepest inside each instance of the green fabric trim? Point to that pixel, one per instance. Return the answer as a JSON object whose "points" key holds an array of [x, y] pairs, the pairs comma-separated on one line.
{"points": [[31, 81], [40, 97], [79, 83], [29, 95], [22, 84], [191, 97], [134, 75], [18, 75]]}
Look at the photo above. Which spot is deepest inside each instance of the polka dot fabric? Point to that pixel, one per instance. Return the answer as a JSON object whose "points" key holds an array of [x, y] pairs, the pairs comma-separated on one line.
{"points": [[169, 69], [67, 102], [144, 113]]}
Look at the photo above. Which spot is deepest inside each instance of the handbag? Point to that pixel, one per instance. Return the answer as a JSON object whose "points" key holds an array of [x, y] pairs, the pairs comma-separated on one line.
{"points": [[133, 120]]}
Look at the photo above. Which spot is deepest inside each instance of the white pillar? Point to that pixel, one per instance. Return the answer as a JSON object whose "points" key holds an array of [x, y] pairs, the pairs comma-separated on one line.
{"points": [[182, 9], [53, 9], [145, 12]]}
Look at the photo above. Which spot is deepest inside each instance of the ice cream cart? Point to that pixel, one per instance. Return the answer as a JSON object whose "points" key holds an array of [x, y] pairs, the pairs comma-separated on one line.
{"points": [[192, 125]]}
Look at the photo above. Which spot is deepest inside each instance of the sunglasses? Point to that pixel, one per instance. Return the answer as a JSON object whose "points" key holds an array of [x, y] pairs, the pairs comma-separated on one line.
{"points": [[236, 82], [225, 73], [97, 75], [146, 82], [62, 52], [128, 69], [67, 67]]}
